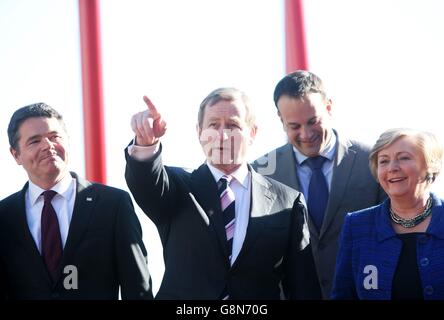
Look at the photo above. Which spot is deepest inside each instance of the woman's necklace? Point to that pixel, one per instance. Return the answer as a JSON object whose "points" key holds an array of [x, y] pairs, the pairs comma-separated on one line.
{"points": [[410, 223]]}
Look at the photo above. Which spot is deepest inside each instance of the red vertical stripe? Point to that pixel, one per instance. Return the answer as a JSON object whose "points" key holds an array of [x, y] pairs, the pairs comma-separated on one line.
{"points": [[93, 116], [295, 46]]}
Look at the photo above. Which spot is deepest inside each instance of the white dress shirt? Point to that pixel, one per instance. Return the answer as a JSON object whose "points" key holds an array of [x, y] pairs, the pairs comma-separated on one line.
{"points": [[241, 186], [63, 204]]}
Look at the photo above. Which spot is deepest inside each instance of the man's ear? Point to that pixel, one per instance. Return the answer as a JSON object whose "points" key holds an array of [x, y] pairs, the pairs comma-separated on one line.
{"points": [[282, 121], [16, 155], [280, 116], [328, 106], [198, 131], [253, 133]]}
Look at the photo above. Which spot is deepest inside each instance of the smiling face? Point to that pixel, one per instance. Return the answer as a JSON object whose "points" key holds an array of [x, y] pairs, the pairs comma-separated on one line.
{"points": [[41, 150], [401, 170], [225, 135], [306, 121]]}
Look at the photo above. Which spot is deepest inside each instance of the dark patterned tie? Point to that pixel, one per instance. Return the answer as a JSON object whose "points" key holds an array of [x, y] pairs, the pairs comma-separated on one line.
{"points": [[228, 210], [317, 191], [50, 232]]}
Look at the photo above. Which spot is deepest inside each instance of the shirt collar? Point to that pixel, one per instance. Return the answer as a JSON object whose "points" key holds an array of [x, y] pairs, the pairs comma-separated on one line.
{"points": [[328, 152], [240, 174], [63, 188]]}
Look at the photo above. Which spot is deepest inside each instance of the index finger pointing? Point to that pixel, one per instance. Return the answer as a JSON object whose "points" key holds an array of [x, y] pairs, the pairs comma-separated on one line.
{"points": [[150, 105]]}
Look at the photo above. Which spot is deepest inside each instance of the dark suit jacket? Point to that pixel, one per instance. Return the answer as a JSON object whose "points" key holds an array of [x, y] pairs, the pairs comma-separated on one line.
{"points": [[352, 188], [104, 243], [185, 207]]}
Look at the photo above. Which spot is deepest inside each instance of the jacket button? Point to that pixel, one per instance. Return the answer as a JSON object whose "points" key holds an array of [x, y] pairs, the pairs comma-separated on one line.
{"points": [[428, 290], [424, 262]]}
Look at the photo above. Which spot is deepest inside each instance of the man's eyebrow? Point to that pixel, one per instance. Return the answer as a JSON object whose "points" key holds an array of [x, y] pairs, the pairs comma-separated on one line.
{"points": [[39, 135], [33, 137], [313, 118]]}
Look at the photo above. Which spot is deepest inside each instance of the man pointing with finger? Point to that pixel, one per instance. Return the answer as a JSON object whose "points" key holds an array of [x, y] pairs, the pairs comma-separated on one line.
{"points": [[227, 232]]}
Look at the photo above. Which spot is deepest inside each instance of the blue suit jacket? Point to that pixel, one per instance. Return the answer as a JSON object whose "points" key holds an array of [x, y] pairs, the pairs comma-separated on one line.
{"points": [[368, 239]]}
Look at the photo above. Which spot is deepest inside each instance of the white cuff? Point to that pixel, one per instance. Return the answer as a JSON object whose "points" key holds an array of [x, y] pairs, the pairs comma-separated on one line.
{"points": [[142, 153]]}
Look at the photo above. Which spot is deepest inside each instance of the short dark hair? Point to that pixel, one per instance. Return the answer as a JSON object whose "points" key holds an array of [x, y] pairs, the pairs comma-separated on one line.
{"points": [[35, 110], [298, 84]]}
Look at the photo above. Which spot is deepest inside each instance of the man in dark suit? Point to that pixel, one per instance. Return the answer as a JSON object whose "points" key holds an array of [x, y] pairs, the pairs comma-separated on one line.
{"points": [[62, 237], [341, 182], [227, 232]]}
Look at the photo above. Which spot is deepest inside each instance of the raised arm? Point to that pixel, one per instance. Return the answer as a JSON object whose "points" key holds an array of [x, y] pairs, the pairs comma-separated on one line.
{"points": [[147, 178]]}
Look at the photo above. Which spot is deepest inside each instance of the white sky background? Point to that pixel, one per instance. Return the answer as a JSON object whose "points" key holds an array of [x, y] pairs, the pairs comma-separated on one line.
{"points": [[382, 62]]}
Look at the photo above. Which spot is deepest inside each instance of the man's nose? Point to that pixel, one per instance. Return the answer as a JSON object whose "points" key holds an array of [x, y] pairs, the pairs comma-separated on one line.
{"points": [[304, 133], [224, 133], [47, 143]]}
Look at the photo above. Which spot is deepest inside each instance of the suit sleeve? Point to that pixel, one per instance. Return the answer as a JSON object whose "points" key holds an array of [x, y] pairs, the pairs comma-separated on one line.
{"points": [[151, 187], [131, 255], [343, 282], [300, 277]]}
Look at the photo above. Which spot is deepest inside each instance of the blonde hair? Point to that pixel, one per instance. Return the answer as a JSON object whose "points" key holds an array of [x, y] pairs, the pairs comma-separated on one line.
{"points": [[426, 142]]}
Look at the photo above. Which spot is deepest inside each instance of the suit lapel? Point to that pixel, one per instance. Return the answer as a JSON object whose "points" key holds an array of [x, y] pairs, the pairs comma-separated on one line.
{"points": [[342, 169], [86, 198], [286, 167], [205, 193], [261, 197], [262, 200], [28, 241]]}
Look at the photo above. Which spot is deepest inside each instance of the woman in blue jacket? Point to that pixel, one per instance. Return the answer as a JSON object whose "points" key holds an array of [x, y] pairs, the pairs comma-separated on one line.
{"points": [[396, 250]]}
